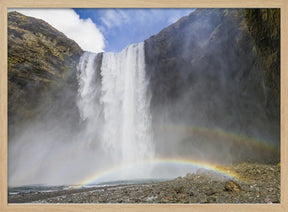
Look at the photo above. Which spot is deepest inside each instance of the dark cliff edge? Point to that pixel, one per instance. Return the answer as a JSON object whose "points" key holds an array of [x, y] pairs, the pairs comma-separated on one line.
{"points": [[215, 87], [206, 73], [264, 27], [41, 71]]}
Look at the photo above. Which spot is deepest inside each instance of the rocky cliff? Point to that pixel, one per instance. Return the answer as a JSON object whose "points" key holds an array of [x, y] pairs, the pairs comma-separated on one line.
{"points": [[214, 85], [264, 27], [205, 71], [41, 62]]}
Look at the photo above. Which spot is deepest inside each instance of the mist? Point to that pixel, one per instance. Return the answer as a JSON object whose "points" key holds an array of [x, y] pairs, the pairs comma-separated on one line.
{"points": [[195, 91], [208, 91]]}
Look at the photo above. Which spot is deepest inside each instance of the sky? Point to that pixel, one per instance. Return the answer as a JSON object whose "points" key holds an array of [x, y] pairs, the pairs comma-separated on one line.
{"points": [[98, 30]]}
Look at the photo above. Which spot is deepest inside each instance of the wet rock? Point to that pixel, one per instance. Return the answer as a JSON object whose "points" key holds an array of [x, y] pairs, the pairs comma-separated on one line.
{"points": [[189, 176], [179, 188], [210, 192], [211, 200], [231, 185]]}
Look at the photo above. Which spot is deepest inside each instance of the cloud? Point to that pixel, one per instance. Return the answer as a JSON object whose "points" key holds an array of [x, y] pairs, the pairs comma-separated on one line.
{"points": [[115, 17], [82, 31], [122, 27], [140, 18]]}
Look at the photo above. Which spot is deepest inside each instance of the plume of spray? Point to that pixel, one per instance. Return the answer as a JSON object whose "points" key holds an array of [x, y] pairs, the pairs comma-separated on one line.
{"points": [[202, 87], [114, 127], [205, 82]]}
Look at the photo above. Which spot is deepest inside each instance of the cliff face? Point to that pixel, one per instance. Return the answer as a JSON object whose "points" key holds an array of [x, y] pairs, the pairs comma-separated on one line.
{"points": [[41, 62], [264, 27], [205, 71]]}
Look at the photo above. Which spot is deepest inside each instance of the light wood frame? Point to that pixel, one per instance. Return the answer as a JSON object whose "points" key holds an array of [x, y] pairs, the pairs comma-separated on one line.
{"points": [[5, 4]]}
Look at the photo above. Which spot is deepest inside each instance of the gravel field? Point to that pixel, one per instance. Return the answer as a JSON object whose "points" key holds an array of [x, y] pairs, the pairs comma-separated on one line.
{"points": [[255, 183]]}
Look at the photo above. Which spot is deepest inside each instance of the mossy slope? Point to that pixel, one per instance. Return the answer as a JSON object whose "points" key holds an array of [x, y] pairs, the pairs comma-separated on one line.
{"points": [[41, 62], [264, 27]]}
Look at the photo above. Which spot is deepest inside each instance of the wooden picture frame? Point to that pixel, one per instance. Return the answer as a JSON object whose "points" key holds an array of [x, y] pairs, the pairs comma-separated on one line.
{"points": [[5, 4]]}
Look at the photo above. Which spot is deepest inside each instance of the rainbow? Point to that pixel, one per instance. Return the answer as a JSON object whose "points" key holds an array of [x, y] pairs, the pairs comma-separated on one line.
{"points": [[258, 144], [225, 136], [195, 165]]}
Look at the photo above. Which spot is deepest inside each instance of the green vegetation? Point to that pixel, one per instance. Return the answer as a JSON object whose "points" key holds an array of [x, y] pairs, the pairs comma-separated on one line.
{"points": [[264, 27], [40, 59]]}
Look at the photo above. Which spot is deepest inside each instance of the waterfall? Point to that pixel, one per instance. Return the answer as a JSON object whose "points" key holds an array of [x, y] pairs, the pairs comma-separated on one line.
{"points": [[126, 104], [88, 92], [118, 102]]}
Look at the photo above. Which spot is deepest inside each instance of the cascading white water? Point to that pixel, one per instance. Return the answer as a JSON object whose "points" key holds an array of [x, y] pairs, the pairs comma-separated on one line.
{"points": [[124, 102], [88, 90], [87, 85]]}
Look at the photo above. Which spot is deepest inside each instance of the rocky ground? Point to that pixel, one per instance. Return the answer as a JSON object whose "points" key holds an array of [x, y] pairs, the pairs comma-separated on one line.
{"points": [[255, 184]]}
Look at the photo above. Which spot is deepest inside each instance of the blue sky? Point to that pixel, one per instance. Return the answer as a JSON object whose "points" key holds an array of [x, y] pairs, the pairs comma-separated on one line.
{"points": [[98, 30], [122, 27]]}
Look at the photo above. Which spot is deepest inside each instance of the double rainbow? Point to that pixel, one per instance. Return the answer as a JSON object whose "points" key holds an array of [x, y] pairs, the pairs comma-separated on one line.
{"points": [[260, 145]]}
